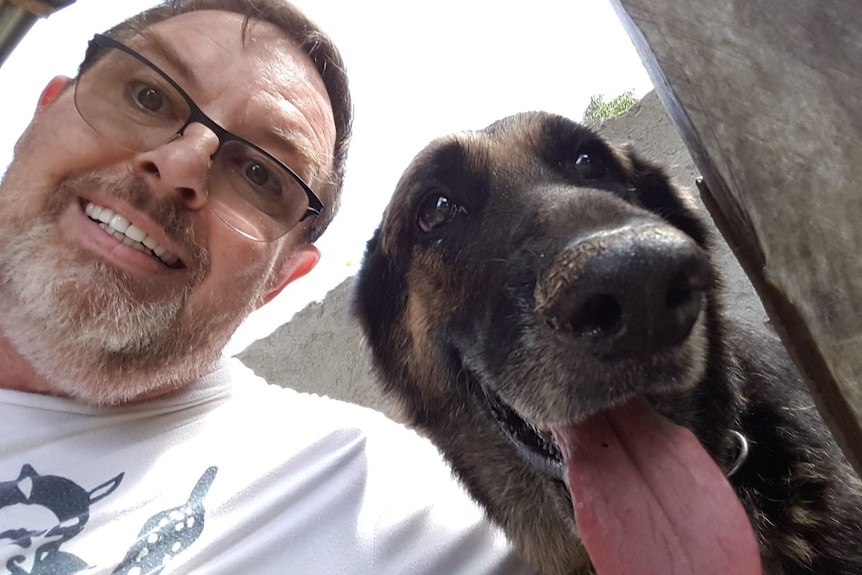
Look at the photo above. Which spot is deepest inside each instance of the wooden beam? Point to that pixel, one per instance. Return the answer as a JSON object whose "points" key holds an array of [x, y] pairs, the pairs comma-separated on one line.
{"points": [[18, 16], [768, 99]]}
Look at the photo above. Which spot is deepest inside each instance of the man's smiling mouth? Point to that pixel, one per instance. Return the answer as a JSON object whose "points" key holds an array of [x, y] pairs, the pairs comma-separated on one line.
{"points": [[128, 234]]}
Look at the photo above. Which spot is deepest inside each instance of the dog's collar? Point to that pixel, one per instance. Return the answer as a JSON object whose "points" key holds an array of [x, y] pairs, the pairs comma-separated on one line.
{"points": [[741, 455]]}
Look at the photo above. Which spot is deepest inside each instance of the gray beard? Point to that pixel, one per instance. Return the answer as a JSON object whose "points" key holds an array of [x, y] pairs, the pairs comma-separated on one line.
{"points": [[91, 331]]}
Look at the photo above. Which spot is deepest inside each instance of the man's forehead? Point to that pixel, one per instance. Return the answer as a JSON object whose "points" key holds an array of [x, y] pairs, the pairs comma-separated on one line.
{"points": [[216, 35], [222, 41], [150, 41]]}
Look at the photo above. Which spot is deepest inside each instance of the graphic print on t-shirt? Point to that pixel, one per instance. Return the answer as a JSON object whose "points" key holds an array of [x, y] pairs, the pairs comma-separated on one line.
{"points": [[168, 533], [40, 513]]}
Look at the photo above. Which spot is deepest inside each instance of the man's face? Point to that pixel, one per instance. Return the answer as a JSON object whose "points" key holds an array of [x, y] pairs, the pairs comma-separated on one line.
{"points": [[104, 320]]}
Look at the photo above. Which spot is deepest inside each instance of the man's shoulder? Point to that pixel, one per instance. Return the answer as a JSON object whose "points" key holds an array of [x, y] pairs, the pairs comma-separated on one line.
{"points": [[334, 426], [246, 385], [262, 404]]}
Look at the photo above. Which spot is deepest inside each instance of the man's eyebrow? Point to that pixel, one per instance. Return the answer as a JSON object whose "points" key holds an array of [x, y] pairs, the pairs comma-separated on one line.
{"points": [[173, 58], [300, 148]]}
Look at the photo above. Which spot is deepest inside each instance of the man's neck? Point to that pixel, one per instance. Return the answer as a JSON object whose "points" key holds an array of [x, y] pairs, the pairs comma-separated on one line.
{"points": [[17, 373]]}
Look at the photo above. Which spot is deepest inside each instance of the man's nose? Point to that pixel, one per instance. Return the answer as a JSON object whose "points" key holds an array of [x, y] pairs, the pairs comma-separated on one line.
{"points": [[180, 166]]}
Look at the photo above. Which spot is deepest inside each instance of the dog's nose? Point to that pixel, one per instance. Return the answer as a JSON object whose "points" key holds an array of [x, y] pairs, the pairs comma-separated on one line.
{"points": [[628, 292]]}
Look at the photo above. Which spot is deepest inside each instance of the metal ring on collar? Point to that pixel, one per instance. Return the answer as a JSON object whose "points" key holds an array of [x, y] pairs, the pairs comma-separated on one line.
{"points": [[741, 456]]}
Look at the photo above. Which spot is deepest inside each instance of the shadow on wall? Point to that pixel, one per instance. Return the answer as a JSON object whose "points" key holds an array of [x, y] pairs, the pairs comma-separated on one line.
{"points": [[321, 351]]}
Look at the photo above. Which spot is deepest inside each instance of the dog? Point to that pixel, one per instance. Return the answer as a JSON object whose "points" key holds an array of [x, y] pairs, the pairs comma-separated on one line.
{"points": [[543, 306]]}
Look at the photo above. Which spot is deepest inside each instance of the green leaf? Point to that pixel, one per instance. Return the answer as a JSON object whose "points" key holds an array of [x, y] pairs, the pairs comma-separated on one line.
{"points": [[598, 110]]}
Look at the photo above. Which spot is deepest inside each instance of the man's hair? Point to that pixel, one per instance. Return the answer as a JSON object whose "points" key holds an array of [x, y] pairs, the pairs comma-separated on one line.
{"points": [[309, 38]]}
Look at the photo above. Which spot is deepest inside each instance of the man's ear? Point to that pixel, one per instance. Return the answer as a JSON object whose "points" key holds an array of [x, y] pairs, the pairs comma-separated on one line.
{"points": [[52, 91], [297, 265]]}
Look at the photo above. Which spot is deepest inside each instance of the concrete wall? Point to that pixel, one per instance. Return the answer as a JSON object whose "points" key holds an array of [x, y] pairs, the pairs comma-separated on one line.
{"points": [[321, 351]]}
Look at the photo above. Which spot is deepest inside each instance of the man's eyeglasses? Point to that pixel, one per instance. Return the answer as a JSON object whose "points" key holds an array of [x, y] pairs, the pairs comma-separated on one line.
{"points": [[129, 100]]}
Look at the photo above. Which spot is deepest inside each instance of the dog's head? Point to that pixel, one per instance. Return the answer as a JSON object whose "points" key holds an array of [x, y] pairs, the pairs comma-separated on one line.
{"points": [[537, 274], [534, 250]]}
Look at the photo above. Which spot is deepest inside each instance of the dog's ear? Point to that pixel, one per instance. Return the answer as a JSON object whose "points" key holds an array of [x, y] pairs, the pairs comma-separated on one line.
{"points": [[378, 295], [658, 194]]}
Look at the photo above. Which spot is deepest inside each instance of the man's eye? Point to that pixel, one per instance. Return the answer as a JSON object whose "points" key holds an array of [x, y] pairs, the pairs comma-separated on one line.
{"points": [[257, 174], [264, 182], [150, 99]]}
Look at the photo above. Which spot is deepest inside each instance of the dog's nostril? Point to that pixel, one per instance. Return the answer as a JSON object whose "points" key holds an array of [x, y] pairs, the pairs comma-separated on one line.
{"points": [[600, 316], [680, 292]]}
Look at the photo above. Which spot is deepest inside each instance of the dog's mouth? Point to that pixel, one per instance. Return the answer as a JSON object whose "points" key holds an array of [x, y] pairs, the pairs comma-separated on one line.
{"points": [[632, 475], [536, 447]]}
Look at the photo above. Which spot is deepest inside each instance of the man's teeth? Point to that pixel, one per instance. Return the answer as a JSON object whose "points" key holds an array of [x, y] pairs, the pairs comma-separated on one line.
{"points": [[129, 234]]}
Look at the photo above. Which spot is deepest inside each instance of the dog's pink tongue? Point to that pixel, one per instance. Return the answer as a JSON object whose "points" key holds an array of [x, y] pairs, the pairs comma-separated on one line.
{"points": [[649, 500]]}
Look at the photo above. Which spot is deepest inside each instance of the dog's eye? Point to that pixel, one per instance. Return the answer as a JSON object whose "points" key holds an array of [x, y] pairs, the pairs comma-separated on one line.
{"points": [[590, 166], [437, 210]]}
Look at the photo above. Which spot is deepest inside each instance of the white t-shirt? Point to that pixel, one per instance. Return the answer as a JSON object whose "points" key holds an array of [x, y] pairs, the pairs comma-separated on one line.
{"points": [[230, 476]]}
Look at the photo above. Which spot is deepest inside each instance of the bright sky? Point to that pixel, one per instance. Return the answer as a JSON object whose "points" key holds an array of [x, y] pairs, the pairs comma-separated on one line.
{"points": [[419, 69]]}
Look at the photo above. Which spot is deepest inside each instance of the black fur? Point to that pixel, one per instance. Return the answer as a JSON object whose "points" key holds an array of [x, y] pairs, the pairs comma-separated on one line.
{"points": [[459, 298]]}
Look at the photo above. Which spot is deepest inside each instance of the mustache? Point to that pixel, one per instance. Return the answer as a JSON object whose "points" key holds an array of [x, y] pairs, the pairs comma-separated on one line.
{"points": [[167, 212]]}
